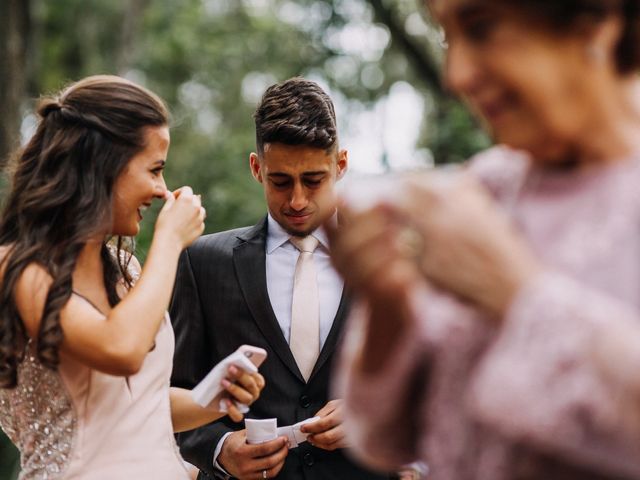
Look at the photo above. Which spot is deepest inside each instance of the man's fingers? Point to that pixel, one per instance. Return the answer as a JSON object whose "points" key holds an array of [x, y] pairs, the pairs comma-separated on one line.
{"points": [[330, 438], [272, 461], [319, 426], [267, 448], [330, 417]]}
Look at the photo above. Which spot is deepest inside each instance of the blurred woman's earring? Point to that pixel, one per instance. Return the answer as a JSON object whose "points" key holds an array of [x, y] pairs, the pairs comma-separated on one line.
{"points": [[596, 54]]}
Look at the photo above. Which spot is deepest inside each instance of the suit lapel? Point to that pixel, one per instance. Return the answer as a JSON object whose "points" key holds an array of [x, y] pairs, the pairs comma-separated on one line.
{"points": [[249, 262]]}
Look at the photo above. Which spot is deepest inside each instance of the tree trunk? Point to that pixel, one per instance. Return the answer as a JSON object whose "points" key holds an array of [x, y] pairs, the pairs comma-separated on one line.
{"points": [[422, 62], [14, 33]]}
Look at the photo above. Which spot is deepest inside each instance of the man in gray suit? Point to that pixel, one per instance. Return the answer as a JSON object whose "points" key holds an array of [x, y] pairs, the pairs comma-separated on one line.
{"points": [[243, 287]]}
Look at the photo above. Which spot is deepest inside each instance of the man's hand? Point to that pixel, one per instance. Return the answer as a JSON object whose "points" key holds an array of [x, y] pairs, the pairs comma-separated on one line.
{"points": [[247, 462], [327, 433]]}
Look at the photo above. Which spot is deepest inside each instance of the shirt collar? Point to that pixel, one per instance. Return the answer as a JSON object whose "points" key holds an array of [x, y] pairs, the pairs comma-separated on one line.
{"points": [[277, 236]]}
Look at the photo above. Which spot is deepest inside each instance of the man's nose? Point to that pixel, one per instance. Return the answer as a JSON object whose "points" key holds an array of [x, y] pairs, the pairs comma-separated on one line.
{"points": [[298, 199]]}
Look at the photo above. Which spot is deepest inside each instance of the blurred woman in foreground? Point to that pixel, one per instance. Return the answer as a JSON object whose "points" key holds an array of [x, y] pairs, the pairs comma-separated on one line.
{"points": [[86, 346], [499, 331]]}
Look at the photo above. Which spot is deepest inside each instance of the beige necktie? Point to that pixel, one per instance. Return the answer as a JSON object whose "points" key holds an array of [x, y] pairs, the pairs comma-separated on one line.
{"points": [[305, 307]]}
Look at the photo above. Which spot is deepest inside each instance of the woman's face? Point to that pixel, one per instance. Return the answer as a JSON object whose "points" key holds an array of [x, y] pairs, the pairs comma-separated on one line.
{"points": [[533, 88], [141, 181]]}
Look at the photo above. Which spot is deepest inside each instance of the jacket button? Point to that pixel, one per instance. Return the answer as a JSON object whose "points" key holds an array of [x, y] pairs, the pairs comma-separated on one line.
{"points": [[308, 459], [305, 402]]}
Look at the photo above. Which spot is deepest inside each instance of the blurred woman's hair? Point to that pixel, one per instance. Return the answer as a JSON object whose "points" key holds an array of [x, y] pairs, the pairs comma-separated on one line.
{"points": [[61, 196], [570, 16], [564, 15]]}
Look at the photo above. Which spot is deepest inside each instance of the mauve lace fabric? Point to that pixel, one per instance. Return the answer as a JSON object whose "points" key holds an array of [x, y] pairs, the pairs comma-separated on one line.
{"points": [[541, 396]]}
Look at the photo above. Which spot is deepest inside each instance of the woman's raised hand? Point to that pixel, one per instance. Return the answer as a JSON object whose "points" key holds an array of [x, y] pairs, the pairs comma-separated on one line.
{"points": [[182, 217], [469, 246]]}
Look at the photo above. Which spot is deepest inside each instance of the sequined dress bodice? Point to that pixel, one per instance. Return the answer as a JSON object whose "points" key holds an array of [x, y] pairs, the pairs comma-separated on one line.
{"points": [[78, 423], [38, 416]]}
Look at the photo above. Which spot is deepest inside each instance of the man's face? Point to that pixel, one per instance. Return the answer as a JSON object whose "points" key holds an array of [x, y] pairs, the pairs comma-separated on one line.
{"points": [[295, 179]]}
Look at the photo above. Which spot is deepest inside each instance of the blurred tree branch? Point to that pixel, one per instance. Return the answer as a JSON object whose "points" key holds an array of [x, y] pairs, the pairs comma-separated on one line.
{"points": [[14, 32], [422, 62]]}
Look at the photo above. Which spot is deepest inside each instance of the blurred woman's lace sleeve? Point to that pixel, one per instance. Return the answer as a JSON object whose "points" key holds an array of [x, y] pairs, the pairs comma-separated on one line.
{"points": [[564, 375], [381, 408]]}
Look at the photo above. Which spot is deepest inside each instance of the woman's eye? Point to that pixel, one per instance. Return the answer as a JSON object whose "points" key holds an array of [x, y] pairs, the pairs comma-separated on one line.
{"points": [[156, 171]]}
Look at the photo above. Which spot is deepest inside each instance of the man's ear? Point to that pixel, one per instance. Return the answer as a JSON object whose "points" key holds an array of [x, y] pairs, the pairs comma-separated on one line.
{"points": [[256, 167], [342, 163]]}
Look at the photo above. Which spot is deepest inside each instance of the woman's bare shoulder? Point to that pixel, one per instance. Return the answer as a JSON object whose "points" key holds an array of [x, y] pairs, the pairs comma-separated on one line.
{"points": [[31, 288]]}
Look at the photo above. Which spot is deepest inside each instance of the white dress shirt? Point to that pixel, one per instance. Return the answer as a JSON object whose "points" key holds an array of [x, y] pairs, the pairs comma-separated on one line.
{"points": [[281, 258], [280, 264]]}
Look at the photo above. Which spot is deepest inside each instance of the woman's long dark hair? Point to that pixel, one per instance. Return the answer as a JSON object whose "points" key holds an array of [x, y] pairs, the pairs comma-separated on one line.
{"points": [[61, 197]]}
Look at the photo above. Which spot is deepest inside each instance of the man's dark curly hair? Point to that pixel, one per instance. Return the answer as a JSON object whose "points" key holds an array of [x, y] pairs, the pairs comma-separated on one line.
{"points": [[296, 112]]}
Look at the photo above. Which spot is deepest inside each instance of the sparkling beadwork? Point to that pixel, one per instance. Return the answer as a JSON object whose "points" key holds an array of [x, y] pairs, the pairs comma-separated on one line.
{"points": [[39, 418]]}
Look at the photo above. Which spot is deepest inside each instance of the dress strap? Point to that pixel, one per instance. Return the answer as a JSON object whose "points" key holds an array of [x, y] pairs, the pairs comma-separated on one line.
{"points": [[87, 300]]}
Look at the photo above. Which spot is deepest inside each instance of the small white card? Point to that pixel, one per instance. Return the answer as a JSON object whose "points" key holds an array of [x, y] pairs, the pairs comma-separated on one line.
{"points": [[260, 431], [293, 433]]}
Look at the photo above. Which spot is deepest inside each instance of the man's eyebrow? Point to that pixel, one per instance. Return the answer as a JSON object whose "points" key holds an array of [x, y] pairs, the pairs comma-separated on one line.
{"points": [[314, 173], [278, 174]]}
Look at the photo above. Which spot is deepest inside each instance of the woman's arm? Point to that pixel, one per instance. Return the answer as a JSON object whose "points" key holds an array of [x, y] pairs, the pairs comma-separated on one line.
{"points": [[384, 357], [563, 375], [118, 342], [242, 387]]}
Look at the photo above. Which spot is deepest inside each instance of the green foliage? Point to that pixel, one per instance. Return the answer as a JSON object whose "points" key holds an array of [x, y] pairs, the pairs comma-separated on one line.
{"points": [[9, 459], [211, 60], [452, 134]]}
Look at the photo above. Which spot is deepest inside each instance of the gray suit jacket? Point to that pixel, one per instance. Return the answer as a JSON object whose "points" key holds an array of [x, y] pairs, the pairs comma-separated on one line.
{"points": [[221, 302]]}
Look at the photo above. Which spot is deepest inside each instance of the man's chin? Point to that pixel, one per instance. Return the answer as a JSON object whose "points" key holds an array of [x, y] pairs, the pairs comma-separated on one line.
{"points": [[299, 230]]}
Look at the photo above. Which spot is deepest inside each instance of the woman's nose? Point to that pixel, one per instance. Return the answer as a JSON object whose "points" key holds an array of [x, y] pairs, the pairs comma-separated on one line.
{"points": [[161, 188], [460, 70]]}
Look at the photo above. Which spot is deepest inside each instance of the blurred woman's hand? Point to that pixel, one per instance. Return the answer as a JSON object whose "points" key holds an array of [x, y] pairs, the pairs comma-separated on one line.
{"points": [[368, 251], [470, 248], [182, 217]]}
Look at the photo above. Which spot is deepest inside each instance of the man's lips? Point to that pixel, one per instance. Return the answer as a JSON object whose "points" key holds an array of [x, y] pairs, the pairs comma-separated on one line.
{"points": [[298, 217]]}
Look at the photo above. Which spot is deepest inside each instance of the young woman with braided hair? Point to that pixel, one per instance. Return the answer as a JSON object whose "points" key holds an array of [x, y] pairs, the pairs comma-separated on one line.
{"points": [[86, 346]]}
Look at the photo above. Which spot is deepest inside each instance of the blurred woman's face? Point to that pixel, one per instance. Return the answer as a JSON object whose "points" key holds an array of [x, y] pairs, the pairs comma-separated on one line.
{"points": [[532, 87]]}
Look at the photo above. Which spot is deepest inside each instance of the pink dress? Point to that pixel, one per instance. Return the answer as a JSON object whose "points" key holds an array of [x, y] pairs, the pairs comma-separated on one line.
{"points": [[78, 423], [532, 399]]}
